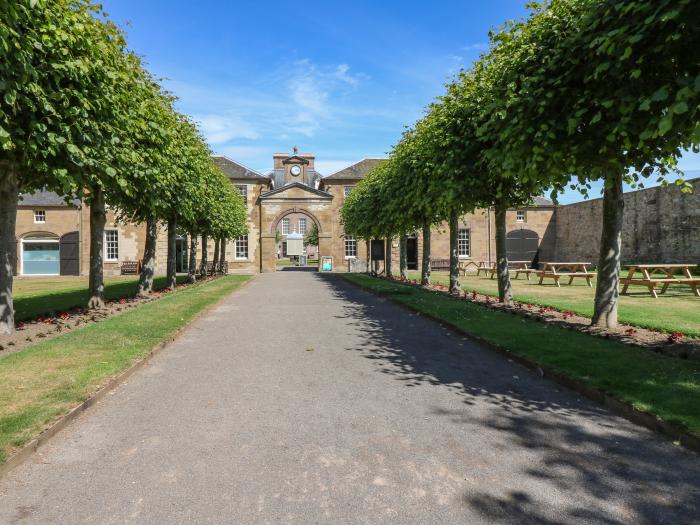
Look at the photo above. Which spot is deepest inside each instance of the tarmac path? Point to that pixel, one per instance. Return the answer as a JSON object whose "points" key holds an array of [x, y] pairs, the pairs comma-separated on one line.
{"points": [[301, 399]]}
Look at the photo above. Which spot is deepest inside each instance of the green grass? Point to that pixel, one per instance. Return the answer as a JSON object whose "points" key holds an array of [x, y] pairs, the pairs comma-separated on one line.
{"points": [[49, 378], [41, 296], [665, 386], [678, 310]]}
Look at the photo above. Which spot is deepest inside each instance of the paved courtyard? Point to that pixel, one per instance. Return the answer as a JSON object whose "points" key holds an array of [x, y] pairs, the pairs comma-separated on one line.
{"points": [[301, 399]]}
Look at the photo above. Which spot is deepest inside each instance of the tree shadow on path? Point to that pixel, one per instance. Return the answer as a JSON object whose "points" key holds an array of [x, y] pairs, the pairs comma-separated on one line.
{"points": [[576, 462]]}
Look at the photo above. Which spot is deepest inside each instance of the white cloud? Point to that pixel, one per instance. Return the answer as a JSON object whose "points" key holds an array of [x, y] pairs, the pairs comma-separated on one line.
{"points": [[477, 46], [220, 129]]}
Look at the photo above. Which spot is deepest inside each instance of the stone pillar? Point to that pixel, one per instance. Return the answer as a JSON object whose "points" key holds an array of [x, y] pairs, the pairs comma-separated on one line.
{"points": [[268, 253], [325, 249]]}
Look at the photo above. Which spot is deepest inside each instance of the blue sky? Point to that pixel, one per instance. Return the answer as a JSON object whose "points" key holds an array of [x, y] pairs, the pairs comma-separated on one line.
{"points": [[339, 79]]}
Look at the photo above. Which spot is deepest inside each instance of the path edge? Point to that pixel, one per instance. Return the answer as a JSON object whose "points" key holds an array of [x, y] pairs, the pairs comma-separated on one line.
{"points": [[28, 450], [675, 433]]}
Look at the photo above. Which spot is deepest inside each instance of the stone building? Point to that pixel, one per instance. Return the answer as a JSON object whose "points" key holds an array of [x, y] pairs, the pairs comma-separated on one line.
{"points": [[661, 225]]}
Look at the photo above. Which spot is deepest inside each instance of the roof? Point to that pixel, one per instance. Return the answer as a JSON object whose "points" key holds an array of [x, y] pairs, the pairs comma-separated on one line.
{"points": [[542, 201], [355, 171], [301, 185], [46, 198], [236, 170]]}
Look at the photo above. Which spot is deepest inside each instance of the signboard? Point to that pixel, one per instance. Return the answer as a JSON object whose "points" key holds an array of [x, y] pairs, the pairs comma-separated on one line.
{"points": [[295, 244], [302, 260], [377, 249], [326, 264]]}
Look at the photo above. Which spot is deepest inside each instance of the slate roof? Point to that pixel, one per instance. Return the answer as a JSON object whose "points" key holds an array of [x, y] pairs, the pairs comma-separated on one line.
{"points": [[355, 171], [237, 171], [46, 198], [542, 201], [296, 184]]}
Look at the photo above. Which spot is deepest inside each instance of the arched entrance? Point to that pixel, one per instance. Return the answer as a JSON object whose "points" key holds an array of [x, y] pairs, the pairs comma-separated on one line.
{"points": [[521, 245], [39, 254], [296, 233]]}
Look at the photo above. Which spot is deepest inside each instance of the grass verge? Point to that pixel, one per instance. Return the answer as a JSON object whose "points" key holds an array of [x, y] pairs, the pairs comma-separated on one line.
{"points": [[48, 379], [674, 311], [35, 297], [664, 386]]}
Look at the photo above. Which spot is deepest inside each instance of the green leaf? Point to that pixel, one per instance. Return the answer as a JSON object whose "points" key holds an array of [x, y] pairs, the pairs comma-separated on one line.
{"points": [[660, 94], [666, 124]]}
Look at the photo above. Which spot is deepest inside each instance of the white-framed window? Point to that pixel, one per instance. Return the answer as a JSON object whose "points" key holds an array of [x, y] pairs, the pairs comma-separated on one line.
{"points": [[302, 225], [39, 216], [463, 236], [242, 247], [347, 190], [243, 190], [520, 216], [285, 226], [350, 247], [111, 245]]}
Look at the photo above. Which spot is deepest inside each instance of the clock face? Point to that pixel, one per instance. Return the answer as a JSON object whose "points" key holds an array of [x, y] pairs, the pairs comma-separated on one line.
{"points": [[295, 170]]}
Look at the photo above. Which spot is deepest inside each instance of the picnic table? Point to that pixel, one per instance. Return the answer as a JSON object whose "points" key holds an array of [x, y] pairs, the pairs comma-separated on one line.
{"points": [[517, 266], [483, 266], [557, 270], [651, 282], [464, 264]]}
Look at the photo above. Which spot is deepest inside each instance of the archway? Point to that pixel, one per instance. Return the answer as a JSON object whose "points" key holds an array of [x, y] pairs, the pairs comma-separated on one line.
{"points": [[39, 254], [295, 230], [522, 245]]}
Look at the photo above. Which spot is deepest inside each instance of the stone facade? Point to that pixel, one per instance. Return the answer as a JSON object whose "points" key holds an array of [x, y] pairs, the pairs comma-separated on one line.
{"points": [[660, 225]]}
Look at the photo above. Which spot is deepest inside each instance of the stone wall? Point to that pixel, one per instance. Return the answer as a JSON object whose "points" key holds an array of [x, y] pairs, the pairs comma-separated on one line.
{"points": [[660, 225]]}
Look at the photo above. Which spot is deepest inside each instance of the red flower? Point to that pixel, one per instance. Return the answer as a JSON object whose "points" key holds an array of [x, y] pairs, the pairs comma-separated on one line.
{"points": [[474, 294], [20, 325], [675, 337], [122, 300], [630, 331]]}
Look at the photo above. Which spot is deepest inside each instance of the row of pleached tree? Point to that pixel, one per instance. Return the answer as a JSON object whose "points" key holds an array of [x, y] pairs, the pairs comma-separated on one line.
{"points": [[80, 115], [579, 91]]}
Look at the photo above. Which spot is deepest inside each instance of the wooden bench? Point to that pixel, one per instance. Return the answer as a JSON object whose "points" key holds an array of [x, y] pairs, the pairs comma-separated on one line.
{"points": [[651, 282], [526, 271], [130, 268], [440, 264], [556, 270]]}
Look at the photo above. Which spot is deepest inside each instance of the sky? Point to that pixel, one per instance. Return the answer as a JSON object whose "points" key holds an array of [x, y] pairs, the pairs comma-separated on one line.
{"points": [[338, 79]]}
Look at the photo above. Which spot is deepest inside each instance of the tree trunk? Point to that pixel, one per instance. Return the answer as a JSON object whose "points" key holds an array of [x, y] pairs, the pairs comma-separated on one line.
{"points": [[425, 270], [608, 280], [369, 258], [149, 258], [505, 291], [454, 256], [171, 272], [222, 257], [192, 266], [388, 271], [403, 262], [205, 271], [215, 261], [98, 218], [9, 195]]}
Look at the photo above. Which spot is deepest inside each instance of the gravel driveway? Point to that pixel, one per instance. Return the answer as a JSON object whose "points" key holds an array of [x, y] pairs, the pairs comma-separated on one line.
{"points": [[301, 399]]}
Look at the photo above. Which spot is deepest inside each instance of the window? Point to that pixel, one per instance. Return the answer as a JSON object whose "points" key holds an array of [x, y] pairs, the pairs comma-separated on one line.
{"points": [[350, 247], [463, 242], [39, 216], [243, 190], [347, 190], [285, 226], [242, 247], [111, 245], [302, 225], [520, 216]]}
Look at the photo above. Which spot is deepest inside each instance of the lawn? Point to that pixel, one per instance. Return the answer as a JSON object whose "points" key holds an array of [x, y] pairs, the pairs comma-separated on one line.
{"points": [[678, 310], [48, 379], [47, 295], [665, 386]]}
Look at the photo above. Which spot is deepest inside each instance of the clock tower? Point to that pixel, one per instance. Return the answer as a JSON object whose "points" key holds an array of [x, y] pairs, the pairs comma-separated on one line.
{"points": [[297, 167]]}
